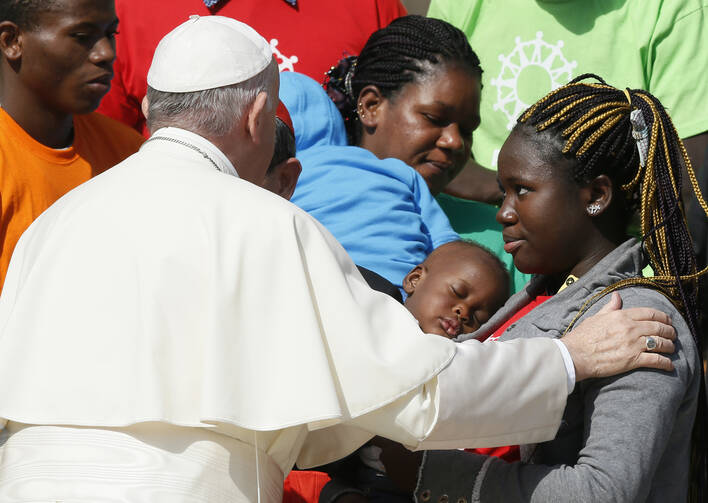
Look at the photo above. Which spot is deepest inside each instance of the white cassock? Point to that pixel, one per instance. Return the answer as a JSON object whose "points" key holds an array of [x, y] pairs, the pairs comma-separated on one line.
{"points": [[171, 333]]}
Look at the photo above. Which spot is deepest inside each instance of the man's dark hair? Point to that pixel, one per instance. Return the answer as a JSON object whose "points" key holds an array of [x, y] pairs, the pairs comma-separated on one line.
{"points": [[284, 145], [24, 12]]}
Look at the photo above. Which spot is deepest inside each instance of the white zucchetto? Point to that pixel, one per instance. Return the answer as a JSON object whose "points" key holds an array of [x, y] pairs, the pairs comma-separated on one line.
{"points": [[206, 52]]}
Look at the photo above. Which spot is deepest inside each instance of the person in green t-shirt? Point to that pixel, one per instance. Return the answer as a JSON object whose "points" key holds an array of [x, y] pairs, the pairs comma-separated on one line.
{"points": [[529, 48]]}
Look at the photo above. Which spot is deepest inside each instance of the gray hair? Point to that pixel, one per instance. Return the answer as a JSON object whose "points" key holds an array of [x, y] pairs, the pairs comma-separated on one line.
{"points": [[212, 112]]}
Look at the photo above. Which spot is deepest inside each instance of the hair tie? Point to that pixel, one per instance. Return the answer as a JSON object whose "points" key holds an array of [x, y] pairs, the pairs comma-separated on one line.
{"points": [[349, 76], [640, 133]]}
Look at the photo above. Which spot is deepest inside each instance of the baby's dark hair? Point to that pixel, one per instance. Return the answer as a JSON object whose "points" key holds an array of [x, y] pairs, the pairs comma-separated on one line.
{"points": [[498, 266], [284, 145], [393, 56], [24, 12], [590, 125]]}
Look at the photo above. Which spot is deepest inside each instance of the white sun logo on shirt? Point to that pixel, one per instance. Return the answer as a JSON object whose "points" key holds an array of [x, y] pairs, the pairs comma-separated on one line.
{"points": [[533, 61], [284, 63]]}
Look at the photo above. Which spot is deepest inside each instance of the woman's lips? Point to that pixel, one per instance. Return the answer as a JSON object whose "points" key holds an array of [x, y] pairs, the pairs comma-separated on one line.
{"points": [[512, 246], [511, 243], [440, 167]]}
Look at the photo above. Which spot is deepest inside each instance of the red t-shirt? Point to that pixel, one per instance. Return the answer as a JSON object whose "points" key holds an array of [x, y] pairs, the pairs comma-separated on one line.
{"points": [[309, 38], [304, 486], [537, 301]]}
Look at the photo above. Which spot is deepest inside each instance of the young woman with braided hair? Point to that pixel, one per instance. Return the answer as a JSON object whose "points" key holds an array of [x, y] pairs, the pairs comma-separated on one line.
{"points": [[574, 168]]}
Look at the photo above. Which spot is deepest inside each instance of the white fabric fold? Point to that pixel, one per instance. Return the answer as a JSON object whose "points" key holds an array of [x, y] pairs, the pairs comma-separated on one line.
{"points": [[143, 463], [163, 290], [520, 400]]}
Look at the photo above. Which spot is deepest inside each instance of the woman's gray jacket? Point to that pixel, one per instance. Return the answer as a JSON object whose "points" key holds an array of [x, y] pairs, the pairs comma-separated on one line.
{"points": [[623, 439]]}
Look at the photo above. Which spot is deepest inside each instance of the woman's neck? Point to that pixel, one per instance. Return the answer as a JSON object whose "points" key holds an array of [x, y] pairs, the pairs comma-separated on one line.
{"points": [[52, 129], [367, 142], [600, 248]]}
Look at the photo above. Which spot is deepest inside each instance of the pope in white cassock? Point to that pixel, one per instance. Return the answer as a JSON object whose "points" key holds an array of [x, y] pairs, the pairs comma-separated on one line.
{"points": [[172, 332]]}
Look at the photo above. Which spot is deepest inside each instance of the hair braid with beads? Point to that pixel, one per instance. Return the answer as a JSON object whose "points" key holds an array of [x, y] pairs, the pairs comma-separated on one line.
{"points": [[590, 121], [393, 56]]}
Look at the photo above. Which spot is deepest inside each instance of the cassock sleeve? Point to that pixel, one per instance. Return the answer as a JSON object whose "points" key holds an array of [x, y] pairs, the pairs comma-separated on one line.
{"points": [[478, 400]]}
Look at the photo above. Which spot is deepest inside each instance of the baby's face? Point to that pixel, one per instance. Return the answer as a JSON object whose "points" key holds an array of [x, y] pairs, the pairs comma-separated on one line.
{"points": [[454, 292]]}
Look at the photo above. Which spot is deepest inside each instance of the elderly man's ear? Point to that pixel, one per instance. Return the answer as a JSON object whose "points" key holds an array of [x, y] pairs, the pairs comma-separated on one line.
{"points": [[145, 106], [256, 115], [283, 178]]}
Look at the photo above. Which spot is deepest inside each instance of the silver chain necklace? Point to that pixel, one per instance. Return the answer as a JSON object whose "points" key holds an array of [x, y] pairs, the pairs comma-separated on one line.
{"points": [[188, 145]]}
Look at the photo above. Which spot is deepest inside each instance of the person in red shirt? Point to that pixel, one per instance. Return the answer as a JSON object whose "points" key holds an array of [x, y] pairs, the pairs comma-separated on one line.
{"points": [[307, 36]]}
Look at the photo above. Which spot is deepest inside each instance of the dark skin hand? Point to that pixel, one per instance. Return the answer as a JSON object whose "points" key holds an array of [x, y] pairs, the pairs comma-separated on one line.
{"points": [[401, 464], [476, 183]]}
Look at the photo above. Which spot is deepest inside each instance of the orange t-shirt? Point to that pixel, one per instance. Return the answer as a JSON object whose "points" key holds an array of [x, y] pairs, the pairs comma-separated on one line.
{"points": [[33, 176]]}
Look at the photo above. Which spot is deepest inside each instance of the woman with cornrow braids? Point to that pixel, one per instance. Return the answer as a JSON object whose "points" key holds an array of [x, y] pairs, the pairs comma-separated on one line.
{"points": [[573, 170], [412, 94], [410, 103]]}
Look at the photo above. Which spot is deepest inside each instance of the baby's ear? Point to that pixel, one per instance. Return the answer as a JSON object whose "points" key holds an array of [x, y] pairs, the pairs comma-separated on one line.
{"points": [[411, 279]]}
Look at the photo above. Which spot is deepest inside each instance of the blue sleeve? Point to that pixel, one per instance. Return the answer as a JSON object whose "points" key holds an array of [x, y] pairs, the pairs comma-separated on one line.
{"points": [[435, 222]]}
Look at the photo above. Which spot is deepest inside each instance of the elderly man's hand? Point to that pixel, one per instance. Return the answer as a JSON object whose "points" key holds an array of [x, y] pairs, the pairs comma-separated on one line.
{"points": [[615, 341]]}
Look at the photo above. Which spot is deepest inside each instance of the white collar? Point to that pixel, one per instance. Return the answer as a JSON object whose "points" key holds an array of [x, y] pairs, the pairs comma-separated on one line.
{"points": [[198, 143]]}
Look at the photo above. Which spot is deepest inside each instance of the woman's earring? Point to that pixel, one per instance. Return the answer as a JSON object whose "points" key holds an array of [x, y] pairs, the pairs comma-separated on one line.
{"points": [[360, 110], [594, 209]]}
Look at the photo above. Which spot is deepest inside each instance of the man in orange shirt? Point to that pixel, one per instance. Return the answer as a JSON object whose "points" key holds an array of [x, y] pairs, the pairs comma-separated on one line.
{"points": [[55, 66]]}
